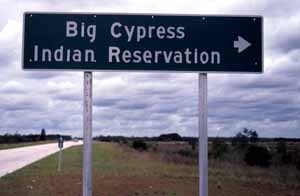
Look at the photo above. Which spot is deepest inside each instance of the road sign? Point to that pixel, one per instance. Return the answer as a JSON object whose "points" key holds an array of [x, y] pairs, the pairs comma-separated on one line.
{"points": [[60, 142], [143, 42]]}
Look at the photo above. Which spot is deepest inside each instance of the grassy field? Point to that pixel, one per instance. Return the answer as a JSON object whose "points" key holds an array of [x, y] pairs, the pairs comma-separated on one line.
{"points": [[23, 144], [121, 171]]}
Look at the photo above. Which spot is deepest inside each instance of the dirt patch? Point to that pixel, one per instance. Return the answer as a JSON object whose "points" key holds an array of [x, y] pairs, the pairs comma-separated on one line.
{"points": [[150, 186], [231, 188], [71, 185]]}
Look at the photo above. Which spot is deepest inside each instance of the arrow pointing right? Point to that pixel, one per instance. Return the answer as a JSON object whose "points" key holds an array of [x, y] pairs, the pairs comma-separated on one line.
{"points": [[241, 44]]}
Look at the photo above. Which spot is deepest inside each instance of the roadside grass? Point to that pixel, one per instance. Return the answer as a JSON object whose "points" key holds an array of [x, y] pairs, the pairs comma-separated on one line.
{"points": [[23, 144], [284, 175], [115, 172], [114, 160], [121, 171]]}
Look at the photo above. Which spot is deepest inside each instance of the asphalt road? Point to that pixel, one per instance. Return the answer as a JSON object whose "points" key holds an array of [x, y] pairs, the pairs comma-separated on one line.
{"points": [[16, 158]]}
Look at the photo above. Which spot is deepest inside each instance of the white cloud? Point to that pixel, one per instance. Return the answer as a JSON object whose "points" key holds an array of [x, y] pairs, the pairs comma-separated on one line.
{"points": [[10, 42], [12, 87], [10, 31]]}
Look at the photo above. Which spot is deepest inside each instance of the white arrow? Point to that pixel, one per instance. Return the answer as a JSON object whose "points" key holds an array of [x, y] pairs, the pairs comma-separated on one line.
{"points": [[241, 44]]}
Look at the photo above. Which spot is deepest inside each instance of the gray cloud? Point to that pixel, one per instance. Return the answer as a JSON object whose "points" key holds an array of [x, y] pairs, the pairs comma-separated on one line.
{"points": [[154, 103]]}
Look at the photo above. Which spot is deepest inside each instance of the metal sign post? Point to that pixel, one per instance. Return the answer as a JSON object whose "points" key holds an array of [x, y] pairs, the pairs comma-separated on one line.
{"points": [[203, 157], [87, 133]]}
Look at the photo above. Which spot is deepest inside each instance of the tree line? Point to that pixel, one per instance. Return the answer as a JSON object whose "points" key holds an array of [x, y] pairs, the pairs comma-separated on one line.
{"points": [[244, 147], [17, 138]]}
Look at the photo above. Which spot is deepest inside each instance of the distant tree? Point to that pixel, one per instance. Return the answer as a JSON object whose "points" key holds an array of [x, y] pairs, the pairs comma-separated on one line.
{"points": [[18, 137], [253, 136], [43, 135], [244, 138], [170, 137]]}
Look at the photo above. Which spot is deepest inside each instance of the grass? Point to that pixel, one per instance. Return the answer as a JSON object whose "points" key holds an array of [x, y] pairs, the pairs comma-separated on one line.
{"points": [[121, 171], [23, 144], [114, 160], [116, 171], [222, 170]]}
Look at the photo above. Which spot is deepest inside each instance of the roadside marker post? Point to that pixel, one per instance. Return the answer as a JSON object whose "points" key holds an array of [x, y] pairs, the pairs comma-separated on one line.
{"points": [[156, 42], [60, 146]]}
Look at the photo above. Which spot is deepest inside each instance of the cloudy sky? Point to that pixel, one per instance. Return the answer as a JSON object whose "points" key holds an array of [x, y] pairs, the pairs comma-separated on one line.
{"points": [[146, 104]]}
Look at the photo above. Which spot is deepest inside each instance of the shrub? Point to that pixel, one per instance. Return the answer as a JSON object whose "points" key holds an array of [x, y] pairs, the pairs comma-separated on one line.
{"points": [[193, 144], [296, 157], [188, 153], [259, 156], [219, 148], [139, 145], [285, 157], [281, 147], [298, 165]]}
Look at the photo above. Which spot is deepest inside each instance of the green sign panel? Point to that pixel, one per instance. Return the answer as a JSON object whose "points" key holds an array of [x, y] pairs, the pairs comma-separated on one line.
{"points": [[188, 43]]}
